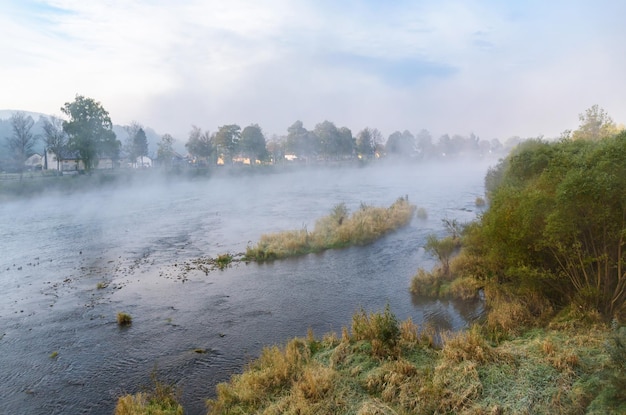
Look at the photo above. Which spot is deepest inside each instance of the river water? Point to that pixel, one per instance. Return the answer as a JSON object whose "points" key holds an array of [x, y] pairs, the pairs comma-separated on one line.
{"points": [[61, 350]]}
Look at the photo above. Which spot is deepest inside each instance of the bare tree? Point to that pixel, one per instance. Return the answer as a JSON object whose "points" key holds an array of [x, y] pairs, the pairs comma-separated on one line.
{"points": [[22, 141], [55, 138]]}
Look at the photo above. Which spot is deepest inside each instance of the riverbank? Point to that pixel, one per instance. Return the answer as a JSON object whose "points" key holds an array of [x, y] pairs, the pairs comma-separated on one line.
{"points": [[382, 366]]}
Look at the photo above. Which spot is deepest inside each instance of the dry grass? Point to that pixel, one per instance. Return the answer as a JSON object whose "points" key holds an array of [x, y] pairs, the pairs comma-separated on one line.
{"points": [[161, 400], [544, 372], [334, 231], [124, 319]]}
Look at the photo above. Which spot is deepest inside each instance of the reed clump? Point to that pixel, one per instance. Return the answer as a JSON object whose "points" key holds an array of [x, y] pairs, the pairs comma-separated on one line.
{"points": [[124, 319], [338, 229]]}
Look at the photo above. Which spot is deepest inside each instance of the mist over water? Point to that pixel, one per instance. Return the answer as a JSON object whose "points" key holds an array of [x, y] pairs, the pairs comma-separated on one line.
{"points": [[136, 240]]}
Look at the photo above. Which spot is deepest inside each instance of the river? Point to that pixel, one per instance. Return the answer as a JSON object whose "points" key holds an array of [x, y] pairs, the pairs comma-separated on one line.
{"points": [[69, 263]]}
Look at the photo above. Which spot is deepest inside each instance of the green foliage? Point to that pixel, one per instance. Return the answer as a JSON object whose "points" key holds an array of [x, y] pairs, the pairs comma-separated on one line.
{"points": [[442, 249], [252, 142], [595, 124], [200, 144], [558, 211], [90, 131], [222, 261]]}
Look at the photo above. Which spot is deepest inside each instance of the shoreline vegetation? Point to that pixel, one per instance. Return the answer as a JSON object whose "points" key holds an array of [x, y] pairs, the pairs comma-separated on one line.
{"points": [[337, 230]]}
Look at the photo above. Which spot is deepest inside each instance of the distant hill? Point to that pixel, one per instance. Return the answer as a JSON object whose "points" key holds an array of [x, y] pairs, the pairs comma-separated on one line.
{"points": [[6, 131]]}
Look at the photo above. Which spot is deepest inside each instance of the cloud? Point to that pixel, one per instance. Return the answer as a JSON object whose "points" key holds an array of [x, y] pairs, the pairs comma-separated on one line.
{"points": [[494, 68]]}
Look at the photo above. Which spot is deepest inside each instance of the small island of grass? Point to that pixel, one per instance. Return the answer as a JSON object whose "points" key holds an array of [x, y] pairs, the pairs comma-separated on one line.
{"points": [[337, 230]]}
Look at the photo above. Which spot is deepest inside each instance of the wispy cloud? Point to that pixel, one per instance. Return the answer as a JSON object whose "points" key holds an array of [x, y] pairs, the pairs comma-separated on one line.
{"points": [[495, 68]]}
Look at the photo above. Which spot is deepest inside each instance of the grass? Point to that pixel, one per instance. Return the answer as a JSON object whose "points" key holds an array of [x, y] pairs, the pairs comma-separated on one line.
{"points": [[124, 319], [223, 261], [161, 400], [337, 230], [540, 371]]}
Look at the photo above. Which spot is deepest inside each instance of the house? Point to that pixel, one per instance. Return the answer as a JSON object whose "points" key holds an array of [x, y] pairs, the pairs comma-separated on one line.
{"points": [[70, 162], [34, 162], [142, 162]]}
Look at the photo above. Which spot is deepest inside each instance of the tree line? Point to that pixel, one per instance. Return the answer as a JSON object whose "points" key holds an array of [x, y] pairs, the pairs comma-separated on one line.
{"points": [[87, 136]]}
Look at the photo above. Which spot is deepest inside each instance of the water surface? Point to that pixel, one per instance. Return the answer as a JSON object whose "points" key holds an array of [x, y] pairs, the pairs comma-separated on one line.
{"points": [[136, 241]]}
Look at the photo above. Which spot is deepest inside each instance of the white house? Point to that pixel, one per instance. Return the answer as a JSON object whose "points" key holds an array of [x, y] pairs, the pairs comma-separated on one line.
{"points": [[34, 162], [142, 162]]}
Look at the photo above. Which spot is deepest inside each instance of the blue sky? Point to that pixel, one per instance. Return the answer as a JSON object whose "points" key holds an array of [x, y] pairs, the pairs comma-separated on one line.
{"points": [[494, 68]]}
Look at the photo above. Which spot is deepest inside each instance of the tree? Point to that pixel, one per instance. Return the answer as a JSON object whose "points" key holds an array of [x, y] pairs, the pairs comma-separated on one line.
{"points": [[140, 145], [301, 142], [556, 223], [90, 131], [595, 124], [55, 138], [137, 142], [400, 144], [334, 142], [365, 145], [22, 141], [424, 143], [199, 145], [442, 249], [227, 141], [252, 143], [165, 151]]}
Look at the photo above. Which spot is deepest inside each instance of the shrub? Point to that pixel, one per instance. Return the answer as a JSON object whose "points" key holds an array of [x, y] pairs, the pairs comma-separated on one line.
{"points": [[480, 202], [425, 283], [124, 319]]}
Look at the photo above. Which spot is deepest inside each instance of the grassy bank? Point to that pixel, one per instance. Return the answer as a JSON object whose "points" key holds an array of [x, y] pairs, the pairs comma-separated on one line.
{"points": [[382, 366], [337, 230]]}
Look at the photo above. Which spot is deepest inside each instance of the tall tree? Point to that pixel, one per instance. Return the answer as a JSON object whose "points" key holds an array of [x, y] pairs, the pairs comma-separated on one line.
{"points": [[22, 141], [200, 145], [252, 143], [365, 144], [136, 145], [301, 142], [55, 138], [401, 143], [140, 145], [424, 143], [227, 141], [165, 151], [595, 124], [90, 131]]}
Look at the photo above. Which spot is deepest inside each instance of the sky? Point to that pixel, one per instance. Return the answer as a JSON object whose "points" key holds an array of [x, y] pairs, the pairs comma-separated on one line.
{"points": [[494, 68]]}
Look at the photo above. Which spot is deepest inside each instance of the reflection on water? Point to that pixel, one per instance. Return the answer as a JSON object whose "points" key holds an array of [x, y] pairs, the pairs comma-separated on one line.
{"points": [[135, 241]]}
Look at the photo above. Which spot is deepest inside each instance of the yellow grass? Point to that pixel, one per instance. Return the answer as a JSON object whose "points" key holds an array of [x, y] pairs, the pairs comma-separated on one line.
{"points": [[334, 231]]}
